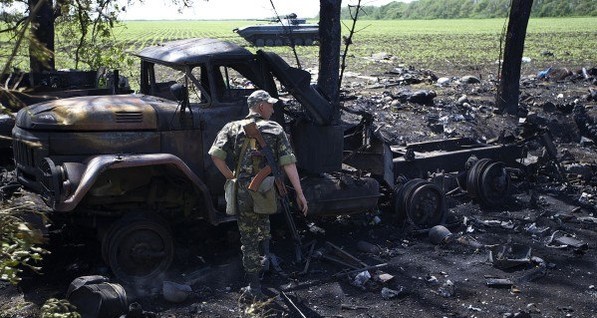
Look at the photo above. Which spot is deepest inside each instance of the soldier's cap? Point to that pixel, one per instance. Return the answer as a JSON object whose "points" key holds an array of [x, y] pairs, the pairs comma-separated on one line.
{"points": [[260, 96]]}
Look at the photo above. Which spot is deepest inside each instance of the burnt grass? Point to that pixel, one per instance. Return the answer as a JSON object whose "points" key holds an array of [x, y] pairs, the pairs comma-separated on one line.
{"points": [[446, 280]]}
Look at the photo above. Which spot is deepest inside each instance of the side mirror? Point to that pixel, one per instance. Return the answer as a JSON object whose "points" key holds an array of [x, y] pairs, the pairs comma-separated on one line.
{"points": [[179, 92]]}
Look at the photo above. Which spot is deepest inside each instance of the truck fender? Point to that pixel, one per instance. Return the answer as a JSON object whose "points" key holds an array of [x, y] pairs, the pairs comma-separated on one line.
{"points": [[96, 165]]}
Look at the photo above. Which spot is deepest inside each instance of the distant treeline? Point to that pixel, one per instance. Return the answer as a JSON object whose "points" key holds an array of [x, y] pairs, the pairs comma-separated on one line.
{"points": [[457, 9]]}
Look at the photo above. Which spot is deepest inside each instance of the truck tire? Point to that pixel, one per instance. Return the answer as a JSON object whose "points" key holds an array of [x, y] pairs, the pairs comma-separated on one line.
{"points": [[259, 42], [421, 203], [138, 249], [269, 42], [308, 41]]}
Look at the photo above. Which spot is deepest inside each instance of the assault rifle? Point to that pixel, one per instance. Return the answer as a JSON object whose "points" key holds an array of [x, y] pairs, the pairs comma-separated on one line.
{"points": [[252, 131]]}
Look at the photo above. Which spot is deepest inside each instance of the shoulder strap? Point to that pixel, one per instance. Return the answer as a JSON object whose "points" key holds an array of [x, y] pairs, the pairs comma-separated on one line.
{"points": [[241, 156]]}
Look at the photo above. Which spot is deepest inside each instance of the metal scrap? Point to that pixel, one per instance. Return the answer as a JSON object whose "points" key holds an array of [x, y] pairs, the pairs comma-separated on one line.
{"points": [[292, 304], [498, 282], [561, 239], [337, 255], [510, 255]]}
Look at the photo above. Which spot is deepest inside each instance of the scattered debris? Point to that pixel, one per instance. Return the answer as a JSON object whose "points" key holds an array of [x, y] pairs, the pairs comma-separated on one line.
{"points": [[384, 278], [175, 292], [498, 282], [361, 278], [560, 239], [368, 247], [447, 289], [510, 255], [95, 297], [439, 234], [387, 293]]}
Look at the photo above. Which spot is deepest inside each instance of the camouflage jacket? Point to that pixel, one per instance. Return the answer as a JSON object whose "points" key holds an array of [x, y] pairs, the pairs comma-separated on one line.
{"points": [[231, 137]]}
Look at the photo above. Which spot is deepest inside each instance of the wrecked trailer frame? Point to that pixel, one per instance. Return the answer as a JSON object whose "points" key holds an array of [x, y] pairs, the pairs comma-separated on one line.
{"points": [[129, 166]]}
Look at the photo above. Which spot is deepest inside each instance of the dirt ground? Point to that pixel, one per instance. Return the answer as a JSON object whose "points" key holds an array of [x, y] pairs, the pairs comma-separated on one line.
{"points": [[425, 280]]}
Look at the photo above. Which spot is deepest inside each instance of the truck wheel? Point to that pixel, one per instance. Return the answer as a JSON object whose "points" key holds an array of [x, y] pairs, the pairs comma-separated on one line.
{"points": [[259, 42], [421, 203], [489, 182], [139, 249], [308, 41], [279, 42], [269, 42]]}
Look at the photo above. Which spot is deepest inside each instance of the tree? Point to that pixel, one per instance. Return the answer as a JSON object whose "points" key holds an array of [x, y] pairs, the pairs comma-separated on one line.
{"points": [[86, 24], [508, 91], [42, 36], [329, 50]]}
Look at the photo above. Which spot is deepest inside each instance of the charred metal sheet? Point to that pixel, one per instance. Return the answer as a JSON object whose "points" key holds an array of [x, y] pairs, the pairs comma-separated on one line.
{"points": [[191, 51], [312, 142], [370, 154], [510, 255]]}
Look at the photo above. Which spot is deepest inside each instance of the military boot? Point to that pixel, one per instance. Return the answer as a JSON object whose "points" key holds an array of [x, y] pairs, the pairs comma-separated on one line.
{"points": [[265, 262], [270, 260], [253, 292]]}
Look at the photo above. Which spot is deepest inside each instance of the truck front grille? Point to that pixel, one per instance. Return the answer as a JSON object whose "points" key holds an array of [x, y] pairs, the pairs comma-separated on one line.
{"points": [[129, 117], [23, 153]]}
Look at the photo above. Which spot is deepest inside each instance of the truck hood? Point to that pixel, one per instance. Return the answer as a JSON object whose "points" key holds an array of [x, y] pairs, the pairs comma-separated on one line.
{"points": [[92, 113]]}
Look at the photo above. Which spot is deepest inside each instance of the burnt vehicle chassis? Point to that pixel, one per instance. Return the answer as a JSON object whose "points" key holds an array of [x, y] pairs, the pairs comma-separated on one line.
{"points": [[130, 166]]}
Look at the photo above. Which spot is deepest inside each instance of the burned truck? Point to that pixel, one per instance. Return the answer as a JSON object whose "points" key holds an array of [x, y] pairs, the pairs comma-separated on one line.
{"points": [[129, 166]]}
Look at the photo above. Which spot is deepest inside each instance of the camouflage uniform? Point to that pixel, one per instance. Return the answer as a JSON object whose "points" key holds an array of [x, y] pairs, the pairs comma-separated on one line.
{"points": [[253, 227]]}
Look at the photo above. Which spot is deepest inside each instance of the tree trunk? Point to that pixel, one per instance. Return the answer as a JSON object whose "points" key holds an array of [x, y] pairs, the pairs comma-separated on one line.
{"points": [[42, 29], [508, 91], [329, 51]]}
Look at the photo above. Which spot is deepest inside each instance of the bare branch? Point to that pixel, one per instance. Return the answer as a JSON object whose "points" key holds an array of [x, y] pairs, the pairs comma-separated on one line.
{"points": [[348, 39], [15, 26], [289, 32]]}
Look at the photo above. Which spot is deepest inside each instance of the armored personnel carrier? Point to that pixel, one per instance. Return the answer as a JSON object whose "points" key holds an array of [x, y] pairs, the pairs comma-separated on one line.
{"points": [[286, 31]]}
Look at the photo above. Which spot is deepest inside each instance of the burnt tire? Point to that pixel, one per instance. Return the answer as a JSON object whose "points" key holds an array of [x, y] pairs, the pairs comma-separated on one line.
{"points": [[140, 249], [421, 203], [488, 182]]}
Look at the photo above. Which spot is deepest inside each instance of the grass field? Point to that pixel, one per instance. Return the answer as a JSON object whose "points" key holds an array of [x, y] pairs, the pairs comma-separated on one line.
{"points": [[462, 45]]}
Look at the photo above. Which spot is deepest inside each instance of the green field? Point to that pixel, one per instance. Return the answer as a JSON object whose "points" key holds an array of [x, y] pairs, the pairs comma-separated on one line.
{"points": [[443, 45]]}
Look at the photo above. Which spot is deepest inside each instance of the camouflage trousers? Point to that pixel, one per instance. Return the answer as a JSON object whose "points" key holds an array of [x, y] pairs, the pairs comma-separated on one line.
{"points": [[254, 228]]}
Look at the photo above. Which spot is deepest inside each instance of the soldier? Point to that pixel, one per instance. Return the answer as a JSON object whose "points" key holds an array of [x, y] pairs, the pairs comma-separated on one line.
{"points": [[255, 228]]}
